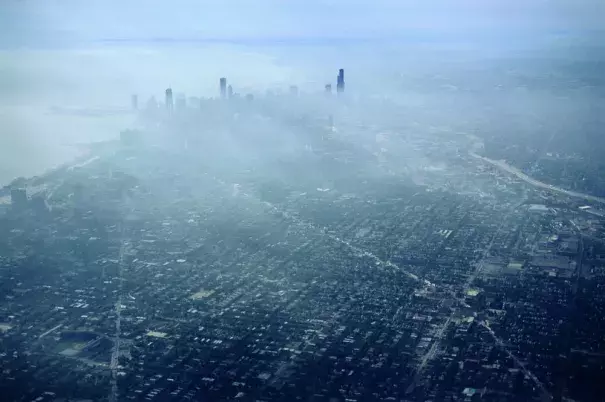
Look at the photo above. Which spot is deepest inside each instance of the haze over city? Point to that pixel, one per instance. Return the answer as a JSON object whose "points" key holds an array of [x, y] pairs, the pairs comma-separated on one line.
{"points": [[302, 200], [94, 54]]}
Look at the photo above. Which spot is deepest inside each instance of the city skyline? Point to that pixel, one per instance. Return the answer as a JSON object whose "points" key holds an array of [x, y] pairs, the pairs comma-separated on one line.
{"points": [[302, 201]]}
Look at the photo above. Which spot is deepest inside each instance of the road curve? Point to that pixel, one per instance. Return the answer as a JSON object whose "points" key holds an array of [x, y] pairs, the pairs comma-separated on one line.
{"points": [[516, 172]]}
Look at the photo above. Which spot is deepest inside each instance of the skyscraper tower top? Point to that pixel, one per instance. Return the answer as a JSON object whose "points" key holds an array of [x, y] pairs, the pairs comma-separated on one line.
{"points": [[169, 101], [340, 81], [223, 87], [328, 89], [230, 92]]}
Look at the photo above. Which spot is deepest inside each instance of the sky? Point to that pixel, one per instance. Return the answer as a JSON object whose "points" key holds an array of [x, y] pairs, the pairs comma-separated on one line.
{"points": [[31, 22]]}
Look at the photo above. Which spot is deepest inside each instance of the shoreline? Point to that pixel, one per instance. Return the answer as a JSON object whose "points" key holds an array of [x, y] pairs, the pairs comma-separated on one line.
{"points": [[90, 151]]}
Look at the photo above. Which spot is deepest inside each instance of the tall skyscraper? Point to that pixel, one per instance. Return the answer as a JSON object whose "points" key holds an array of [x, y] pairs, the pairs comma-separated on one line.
{"points": [[340, 82], [134, 101], [328, 89], [169, 102], [230, 92], [223, 86], [293, 90]]}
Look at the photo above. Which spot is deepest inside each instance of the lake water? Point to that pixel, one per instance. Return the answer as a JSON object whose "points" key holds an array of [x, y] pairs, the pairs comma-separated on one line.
{"points": [[34, 140]]}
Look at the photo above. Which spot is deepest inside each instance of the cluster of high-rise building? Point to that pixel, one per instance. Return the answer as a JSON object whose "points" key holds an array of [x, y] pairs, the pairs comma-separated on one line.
{"points": [[226, 92]]}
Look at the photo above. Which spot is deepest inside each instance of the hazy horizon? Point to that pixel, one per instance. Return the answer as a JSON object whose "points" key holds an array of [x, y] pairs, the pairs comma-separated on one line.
{"points": [[430, 226], [71, 54]]}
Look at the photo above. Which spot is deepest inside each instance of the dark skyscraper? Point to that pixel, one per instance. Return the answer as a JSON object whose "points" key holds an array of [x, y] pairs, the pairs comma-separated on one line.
{"points": [[223, 86], [169, 102], [340, 82]]}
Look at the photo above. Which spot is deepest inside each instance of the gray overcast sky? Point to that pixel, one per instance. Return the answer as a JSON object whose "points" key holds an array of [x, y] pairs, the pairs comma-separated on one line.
{"points": [[32, 22]]}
